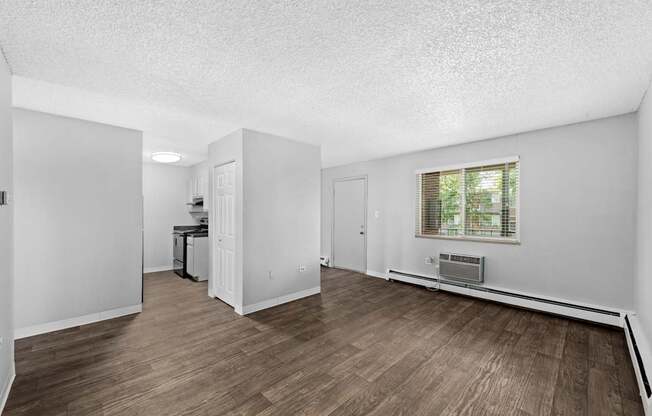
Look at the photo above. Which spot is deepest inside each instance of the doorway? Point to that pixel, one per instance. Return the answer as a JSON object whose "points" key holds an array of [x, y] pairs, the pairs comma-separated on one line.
{"points": [[224, 234], [349, 241]]}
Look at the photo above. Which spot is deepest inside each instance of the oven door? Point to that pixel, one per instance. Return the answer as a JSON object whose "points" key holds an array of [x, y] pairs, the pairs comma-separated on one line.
{"points": [[178, 268], [179, 242]]}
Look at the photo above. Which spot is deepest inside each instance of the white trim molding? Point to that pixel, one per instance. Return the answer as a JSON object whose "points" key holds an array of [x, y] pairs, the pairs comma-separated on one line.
{"points": [[157, 269], [77, 321], [642, 343], [377, 274], [278, 301], [6, 386], [557, 306]]}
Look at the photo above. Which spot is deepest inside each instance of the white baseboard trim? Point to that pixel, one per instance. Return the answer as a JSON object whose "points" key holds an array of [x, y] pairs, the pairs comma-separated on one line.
{"points": [[645, 351], [278, 301], [157, 269], [556, 308], [6, 387], [77, 321], [377, 274]]}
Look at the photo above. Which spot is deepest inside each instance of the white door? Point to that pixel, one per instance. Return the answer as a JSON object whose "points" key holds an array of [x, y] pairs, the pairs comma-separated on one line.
{"points": [[224, 232], [349, 224]]}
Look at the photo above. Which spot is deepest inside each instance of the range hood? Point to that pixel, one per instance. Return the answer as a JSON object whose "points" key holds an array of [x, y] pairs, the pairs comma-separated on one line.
{"points": [[196, 207]]}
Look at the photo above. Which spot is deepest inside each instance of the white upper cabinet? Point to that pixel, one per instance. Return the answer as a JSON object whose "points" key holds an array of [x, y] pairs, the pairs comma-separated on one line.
{"points": [[204, 189], [191, 189], [203, 185], [198, 188]]}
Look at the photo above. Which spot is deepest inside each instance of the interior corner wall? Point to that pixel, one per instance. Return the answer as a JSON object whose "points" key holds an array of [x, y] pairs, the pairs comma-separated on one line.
{"points": [[643, 281], [78, 220], [6, 236], [577, 217], [165, 192], [281, 218]]}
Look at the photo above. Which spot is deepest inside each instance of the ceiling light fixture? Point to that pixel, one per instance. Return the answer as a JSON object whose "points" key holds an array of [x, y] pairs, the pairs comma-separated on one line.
{"points": [[166, 157]]}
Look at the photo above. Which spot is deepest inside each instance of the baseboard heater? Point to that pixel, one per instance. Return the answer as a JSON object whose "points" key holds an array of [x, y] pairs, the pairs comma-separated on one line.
{"points": [[639, 359], [505, 293]]}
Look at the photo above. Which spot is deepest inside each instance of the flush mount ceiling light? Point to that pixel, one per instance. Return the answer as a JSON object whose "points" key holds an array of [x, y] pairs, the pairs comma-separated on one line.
{"points": [[166, 157]]}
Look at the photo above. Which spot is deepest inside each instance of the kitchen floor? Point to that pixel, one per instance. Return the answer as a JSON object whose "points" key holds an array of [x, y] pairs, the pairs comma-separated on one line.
{"points": [[364, 346]]}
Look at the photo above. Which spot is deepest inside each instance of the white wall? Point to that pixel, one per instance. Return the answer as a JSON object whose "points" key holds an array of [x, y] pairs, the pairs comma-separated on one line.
{"points": [[165, 191], [78, 219], [578, 193], [200, 168], [277, 215], [643, 283], [281, 217], [6, 236]]}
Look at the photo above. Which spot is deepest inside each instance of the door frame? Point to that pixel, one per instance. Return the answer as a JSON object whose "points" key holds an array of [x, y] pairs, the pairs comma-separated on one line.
{"points": [[364, 178], [211, 226]]}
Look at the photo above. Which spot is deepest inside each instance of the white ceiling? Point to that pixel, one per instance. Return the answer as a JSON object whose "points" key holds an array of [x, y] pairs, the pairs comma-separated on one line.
{"points": [[363, 79]]}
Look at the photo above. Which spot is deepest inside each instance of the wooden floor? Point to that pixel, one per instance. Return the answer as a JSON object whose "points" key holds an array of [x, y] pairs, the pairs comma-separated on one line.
{"points": [[364, 346]]}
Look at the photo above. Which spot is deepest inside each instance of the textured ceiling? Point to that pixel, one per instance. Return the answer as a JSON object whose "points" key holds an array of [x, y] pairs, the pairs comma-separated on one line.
{"points": [[363, 79]]}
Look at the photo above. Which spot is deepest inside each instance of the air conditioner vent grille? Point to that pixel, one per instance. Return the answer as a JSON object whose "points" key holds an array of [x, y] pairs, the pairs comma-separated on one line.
{"points": [[465, 259], [462, 267]]}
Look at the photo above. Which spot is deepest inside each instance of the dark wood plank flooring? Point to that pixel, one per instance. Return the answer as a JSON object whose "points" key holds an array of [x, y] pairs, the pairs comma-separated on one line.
{"points": [[364, 346]]}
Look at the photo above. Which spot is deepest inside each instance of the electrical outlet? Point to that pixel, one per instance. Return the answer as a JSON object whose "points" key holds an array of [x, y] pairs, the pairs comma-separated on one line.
{"points": [[428, 260], [302, 268]]}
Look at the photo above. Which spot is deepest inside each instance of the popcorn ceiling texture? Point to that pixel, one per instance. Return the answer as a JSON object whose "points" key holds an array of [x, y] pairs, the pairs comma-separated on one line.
{"points": [[364, 79]]}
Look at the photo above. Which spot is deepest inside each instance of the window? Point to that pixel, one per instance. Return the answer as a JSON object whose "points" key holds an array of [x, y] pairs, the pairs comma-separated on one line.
{"points": [[477, 201]]}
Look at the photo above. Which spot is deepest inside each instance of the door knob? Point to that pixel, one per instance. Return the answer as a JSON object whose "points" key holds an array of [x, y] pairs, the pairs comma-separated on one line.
{"points": [[361, 232]]}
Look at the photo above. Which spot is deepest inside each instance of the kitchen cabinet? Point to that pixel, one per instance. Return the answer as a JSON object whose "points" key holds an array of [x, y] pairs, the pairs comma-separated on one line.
{"points": [[202, 186], [203, 189], [191, 189], [198, 188]]}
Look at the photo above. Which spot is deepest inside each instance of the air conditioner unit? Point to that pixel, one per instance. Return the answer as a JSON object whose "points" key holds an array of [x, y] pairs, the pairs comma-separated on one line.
{"points": [[464, 267]]}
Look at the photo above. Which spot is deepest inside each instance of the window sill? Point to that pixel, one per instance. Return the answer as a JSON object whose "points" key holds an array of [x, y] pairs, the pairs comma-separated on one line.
{"points": [[473, 239]]}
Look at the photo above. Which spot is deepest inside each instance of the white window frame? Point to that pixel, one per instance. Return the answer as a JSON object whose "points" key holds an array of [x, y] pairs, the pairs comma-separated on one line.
{"points": [[462, 166]]}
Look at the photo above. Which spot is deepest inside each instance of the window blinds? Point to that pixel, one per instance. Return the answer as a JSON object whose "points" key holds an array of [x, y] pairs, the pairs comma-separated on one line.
{"points": [[474, 201]]}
